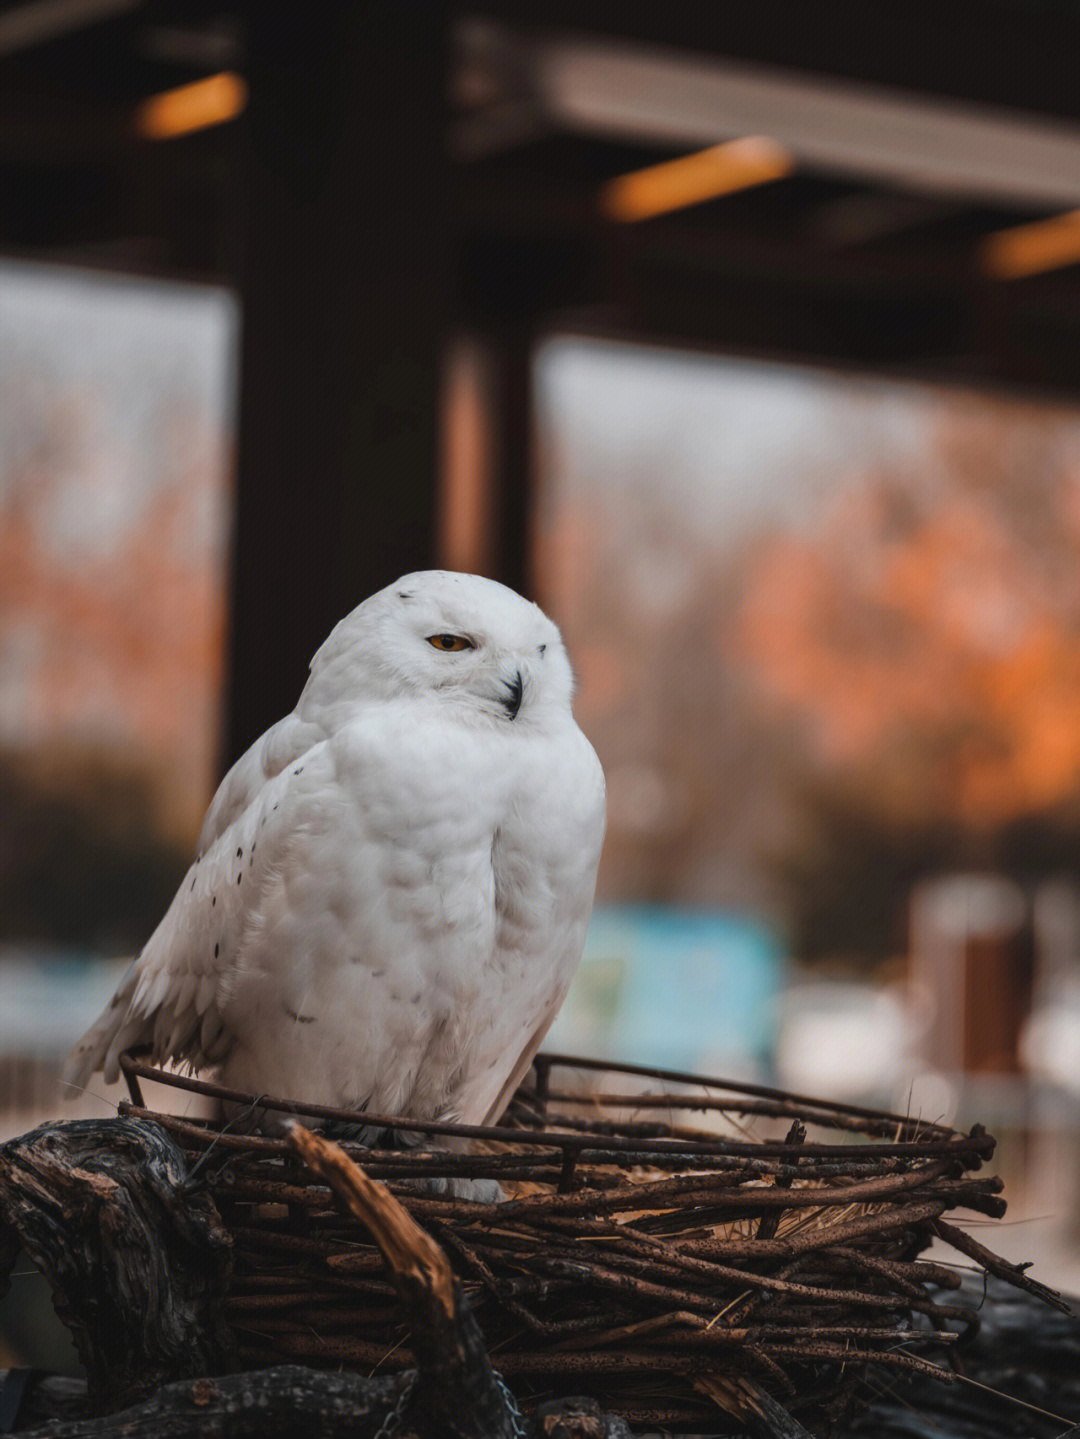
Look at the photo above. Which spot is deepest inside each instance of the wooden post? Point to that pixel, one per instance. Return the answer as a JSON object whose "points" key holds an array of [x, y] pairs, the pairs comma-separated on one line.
{"points": [[346, 303]]}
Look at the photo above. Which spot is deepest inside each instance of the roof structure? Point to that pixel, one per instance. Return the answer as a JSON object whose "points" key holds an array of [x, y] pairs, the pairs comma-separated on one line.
{"points": [[383, 178]]}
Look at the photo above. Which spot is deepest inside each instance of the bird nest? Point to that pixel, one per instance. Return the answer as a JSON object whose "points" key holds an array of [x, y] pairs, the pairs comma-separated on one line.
{"points": [[667, 1243]]}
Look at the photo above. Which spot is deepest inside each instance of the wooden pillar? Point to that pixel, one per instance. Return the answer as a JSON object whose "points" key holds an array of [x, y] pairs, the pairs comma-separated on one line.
{"points": [[516, 452], [486, 503], [345, 285]]}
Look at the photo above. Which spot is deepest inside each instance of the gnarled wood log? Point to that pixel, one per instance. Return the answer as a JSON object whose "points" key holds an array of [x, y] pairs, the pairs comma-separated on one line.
{"points": [[289, 1400], [138, 1261]]}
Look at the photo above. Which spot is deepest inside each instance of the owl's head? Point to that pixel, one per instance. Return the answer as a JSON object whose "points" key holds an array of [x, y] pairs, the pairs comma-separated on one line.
{"points": [[468, 641]]}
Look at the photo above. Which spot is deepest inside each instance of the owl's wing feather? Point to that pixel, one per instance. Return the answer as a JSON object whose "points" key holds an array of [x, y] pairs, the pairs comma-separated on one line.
{"points": [[281, 745], [521, 1068], [173, 996], [111, 1024]]}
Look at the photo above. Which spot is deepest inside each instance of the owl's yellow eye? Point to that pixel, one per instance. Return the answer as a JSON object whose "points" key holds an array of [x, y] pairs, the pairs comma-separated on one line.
{"points": [[450, 642]]}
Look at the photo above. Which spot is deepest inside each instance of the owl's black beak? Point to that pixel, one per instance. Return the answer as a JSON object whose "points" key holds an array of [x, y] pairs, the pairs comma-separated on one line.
{"points": [[514, 691]]}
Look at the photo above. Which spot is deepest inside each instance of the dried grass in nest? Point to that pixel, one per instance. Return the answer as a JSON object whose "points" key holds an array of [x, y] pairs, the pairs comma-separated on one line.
{"points": [[665, 1267]]}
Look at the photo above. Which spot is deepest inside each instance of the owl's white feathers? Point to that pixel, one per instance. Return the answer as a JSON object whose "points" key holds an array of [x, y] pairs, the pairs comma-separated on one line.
{"points": [[393, 884]]}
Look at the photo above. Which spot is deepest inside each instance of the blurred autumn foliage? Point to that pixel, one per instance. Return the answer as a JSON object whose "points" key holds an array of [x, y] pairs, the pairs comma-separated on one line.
{"points": [[700, 775], [927, 635], [121, 637], [83, 862], [114, 480], [808, 714]]}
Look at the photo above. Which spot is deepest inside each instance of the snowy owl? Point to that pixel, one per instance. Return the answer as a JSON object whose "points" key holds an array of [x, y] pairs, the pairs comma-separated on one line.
{"points": [[393, 884]]}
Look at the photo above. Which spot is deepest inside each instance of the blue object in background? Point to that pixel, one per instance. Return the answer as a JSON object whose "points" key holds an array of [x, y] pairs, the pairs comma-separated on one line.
{"points": [[48, 996], [676, 988]]}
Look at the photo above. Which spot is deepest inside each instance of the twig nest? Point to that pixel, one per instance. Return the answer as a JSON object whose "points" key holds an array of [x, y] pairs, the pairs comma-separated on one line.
{"points": [[667, 1243]]}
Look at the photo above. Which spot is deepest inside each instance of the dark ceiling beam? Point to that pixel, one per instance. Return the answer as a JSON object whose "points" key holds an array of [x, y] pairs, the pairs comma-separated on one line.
{"points": [[565, 247], [168, 209], [1008, 53], [39, 127], [37, 22], [884, 135], [537, 250]]}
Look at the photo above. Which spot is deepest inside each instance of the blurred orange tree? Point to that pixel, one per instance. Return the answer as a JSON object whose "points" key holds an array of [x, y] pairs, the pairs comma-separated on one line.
{"points": [[926, 633], [804, 716]]}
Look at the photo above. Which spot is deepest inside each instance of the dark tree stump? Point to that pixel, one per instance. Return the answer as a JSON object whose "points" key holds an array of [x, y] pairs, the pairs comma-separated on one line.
{"points": [[138, 1262]]}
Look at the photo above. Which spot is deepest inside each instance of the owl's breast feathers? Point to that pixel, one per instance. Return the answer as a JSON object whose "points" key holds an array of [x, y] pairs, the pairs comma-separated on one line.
{"points": [[428, 920]]}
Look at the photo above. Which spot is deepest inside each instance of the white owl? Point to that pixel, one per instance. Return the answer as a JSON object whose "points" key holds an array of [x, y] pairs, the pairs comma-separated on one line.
{"points": [[393, 884]]}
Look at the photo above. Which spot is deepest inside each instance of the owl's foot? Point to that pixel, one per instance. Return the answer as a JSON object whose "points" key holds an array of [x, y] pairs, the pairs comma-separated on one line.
{"points": [[476, 1191], [370, 1136]]}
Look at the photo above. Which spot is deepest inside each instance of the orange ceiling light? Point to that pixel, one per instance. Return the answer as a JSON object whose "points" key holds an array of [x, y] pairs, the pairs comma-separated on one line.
{"points": [[207, 102], [1033, 248], [691, 179]]}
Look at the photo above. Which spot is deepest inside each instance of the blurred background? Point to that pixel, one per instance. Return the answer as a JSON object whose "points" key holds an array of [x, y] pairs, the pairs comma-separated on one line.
{"points": [[746, 343]]}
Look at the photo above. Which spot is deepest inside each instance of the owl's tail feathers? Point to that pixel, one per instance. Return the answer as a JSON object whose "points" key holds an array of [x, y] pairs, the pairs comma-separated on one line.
{"points": [[114, 1030]]}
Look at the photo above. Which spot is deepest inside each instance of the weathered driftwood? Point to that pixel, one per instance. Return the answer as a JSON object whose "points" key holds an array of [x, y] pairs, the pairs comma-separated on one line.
{"points": [[138, 1262], [275, 1403], [1022, 1352]]}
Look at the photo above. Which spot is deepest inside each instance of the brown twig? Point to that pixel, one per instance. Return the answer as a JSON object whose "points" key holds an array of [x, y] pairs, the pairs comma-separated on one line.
{"points": [[993, 1264]]}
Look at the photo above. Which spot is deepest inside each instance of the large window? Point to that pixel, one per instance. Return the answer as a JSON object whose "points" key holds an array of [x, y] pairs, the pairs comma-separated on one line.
{"points": [[827, 630], [116, 436]]}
